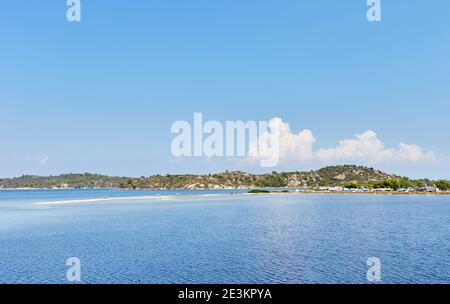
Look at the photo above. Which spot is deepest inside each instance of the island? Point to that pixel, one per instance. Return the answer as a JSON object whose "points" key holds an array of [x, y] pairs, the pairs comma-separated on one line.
{"points": [[345, 178]]}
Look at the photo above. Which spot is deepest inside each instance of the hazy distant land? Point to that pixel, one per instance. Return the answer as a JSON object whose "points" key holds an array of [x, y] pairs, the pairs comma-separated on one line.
{"points": [[335, 178]]}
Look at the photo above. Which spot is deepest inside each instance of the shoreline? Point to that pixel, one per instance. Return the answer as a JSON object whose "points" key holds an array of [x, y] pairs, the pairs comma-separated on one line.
{"points": [[123, 198], [176, 197], [272, 190]]}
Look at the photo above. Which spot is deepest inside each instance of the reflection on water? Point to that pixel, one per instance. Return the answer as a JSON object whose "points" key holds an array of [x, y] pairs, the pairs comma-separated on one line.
{"points": [[226, 239]]}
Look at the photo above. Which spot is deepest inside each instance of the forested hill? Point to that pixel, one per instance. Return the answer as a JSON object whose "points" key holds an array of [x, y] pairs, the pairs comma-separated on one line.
{"points": [[85, 180], [325, 177]]}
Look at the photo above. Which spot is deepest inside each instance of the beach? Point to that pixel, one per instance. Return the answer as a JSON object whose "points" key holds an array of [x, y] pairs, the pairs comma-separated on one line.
{"points": [[205, 195]]}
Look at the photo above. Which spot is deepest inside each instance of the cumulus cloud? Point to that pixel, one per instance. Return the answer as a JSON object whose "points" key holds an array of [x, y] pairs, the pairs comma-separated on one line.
{"points": [[369, 148], [365, 147], [291, 146]]}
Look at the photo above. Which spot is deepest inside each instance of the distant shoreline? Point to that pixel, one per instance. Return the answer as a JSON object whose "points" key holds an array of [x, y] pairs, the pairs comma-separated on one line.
{"points": [[184, 196], [106, 199], [331, 178], [272, 190]]}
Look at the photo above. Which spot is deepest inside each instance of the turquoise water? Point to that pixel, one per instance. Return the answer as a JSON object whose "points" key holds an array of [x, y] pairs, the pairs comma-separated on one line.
{"points": [[304, 238]]}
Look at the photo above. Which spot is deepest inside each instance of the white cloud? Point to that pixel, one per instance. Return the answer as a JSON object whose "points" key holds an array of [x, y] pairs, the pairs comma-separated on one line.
{"points": [[369, 148], [365, 147], [42, 160], [291, 146], [38, 159]]}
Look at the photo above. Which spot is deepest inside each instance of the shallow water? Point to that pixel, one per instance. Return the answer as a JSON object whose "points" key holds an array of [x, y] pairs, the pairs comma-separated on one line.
{"points": [[305, 238]]}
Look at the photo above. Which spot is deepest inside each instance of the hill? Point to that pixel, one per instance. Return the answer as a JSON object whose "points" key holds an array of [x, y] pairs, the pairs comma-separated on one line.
{"points": [[71, 180], [328, 176]]}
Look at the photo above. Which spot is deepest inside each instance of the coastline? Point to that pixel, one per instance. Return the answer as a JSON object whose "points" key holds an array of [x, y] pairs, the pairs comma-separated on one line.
{"points": [[176, 197], [272, 190], [127, 198]]}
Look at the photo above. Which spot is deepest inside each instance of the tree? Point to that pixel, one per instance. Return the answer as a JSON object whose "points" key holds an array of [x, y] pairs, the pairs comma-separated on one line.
{"points": [[443, 185], [352, 186]]}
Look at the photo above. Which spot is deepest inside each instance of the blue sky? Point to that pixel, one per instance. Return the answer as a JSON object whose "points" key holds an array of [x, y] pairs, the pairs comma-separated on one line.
{"points": [[102, 94]]}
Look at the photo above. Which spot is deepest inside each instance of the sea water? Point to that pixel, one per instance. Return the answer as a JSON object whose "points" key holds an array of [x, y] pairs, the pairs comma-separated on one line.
{"points": [[228, 238]]}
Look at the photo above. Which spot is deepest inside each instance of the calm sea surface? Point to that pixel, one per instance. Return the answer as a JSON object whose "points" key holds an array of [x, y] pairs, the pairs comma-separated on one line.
{"points": [[223, 239]]}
